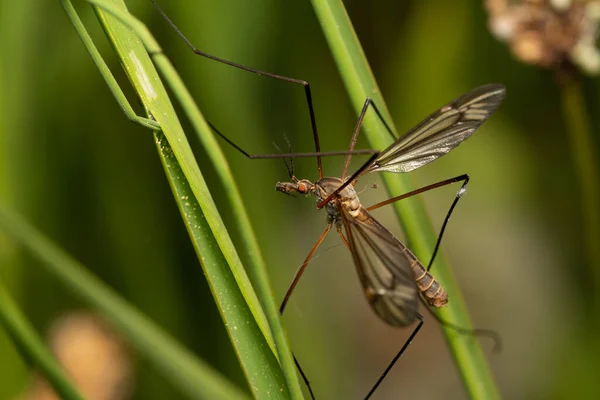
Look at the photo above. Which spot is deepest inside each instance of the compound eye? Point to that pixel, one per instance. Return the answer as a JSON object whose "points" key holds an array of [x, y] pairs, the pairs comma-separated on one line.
{"points": [[302, 188]]}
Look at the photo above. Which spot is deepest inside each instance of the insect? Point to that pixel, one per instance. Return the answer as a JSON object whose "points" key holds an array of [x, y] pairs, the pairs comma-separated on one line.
{"points": [[393, 279], [387, 269]]}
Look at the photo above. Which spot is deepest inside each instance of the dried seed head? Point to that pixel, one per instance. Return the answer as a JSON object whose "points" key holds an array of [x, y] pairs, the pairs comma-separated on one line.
{"points": [[548, 33]]}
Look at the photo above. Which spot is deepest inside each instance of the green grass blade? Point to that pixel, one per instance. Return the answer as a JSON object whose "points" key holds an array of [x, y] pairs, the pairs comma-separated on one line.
{"points": [[147, 83], [236, 204], [194, 377], [256, 357], [267, 379], [33, 348], [104, 70], [360, 84], [265, 292]]}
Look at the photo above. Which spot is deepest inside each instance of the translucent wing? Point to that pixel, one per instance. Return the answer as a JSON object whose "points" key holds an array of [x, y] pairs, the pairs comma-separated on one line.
{"points": [[384, 268], [441, 131]]}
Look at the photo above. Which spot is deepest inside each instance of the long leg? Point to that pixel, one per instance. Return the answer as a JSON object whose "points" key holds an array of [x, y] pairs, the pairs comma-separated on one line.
{"points": [[339, 231], [305, 84], [465, 179], [391, 365], [289, 155], [492, 334], [462, 178], [368, 102], [295, 281], [302, 268], [304, 377]]}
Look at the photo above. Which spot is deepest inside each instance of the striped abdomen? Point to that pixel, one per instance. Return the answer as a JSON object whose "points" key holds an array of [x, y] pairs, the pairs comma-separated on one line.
{"points": [[432, 290]]}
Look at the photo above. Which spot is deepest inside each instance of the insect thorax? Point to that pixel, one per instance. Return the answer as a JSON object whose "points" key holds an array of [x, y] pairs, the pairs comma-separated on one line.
{"points": [[346, 198]]}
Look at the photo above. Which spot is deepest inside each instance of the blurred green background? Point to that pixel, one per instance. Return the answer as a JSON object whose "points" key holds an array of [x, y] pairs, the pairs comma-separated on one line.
{"points": [[92, 181]]}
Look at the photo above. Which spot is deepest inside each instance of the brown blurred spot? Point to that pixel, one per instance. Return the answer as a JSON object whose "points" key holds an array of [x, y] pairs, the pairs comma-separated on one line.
{"points": [[95, 358]]}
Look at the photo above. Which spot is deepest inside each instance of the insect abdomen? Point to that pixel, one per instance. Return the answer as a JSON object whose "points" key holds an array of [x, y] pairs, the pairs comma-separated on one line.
{"points": [[432, 290]]}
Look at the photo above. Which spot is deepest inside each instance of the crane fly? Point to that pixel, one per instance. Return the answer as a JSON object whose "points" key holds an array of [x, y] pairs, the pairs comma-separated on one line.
{"points": [[393, 279], [390, 274], [387, 269]]}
